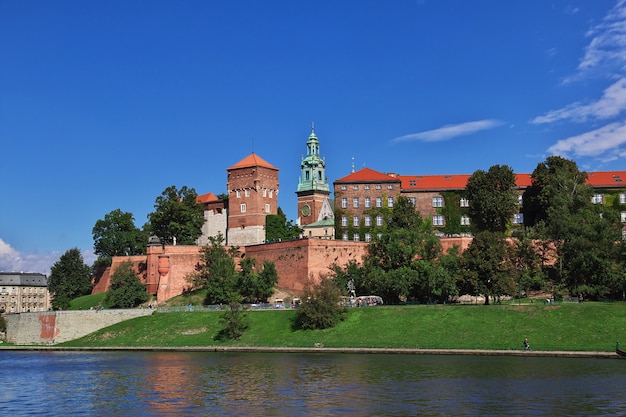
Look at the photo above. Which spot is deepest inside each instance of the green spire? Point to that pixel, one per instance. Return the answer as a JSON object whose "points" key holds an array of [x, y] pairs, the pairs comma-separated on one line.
{"points": [[313, 166]]}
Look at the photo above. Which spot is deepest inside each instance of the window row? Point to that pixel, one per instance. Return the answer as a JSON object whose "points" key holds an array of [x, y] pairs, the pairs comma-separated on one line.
{"points": [[367, 220], [246, 193], [437, 220], [438, 201], [367, 202], [599, 198], [367, 187], [244, 208], [356, 237]]}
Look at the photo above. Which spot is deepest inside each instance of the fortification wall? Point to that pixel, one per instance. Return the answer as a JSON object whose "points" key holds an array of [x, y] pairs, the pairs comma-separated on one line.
{"points": [[61, 326], [296, 261]]}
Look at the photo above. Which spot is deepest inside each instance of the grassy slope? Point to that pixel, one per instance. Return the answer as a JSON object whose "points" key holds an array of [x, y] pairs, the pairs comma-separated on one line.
{"points": [[87, 301], [588, 326]]}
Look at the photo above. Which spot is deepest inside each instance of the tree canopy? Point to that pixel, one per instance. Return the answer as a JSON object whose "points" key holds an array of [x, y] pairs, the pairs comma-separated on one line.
{"points": [[403, 263], [125, 289], [177, 217], [487, 266], [586, 237], [69, 278], [117, 235], [557, 193], [224, 284], [321, 308], [278, 228], [492, 198]]}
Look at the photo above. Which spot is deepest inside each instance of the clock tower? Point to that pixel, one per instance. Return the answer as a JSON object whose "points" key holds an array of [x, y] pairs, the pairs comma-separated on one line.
{"points": [[313, 190]]}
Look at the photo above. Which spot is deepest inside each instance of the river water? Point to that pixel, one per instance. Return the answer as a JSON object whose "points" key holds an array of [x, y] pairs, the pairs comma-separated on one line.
{"points": [[265, 384]]}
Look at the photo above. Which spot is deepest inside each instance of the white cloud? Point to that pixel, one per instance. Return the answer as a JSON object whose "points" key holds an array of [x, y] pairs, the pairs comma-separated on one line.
{"points": [[605, 143], [449, 131], [608, 41], [611, 104], [604, 57], [12, 260]]}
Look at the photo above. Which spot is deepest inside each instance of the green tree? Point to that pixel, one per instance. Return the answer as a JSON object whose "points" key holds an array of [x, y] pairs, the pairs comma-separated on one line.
{"points": [[267, 280], [234, 321], [408, 237], [117, 235], [492, 198], [586, 236], [351, 271], [528, 260], [400, 265], [69, 278], [435, 283], [487, 266], [278, 228], [125, 289], [557, 192], [321, 308], [256, 287], [176, 216], [216, 271]]}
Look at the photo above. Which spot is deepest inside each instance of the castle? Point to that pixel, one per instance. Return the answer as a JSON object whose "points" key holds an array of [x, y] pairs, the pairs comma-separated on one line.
{"points": [[253, 188], [362, 200]]}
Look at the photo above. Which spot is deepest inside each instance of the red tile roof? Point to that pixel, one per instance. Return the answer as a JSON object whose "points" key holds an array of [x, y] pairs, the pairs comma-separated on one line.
{"points": [[368, 175], [607, 179], [206, 198], [252, 160], [459, 181], [448, 182]]}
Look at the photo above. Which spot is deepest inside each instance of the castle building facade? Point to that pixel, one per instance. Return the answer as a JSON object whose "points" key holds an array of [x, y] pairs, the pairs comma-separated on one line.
{"points": [[364, 199], [252, 195]]}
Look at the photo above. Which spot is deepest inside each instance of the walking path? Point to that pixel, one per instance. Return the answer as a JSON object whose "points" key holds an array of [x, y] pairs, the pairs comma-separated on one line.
{"points": [[321, 349]]}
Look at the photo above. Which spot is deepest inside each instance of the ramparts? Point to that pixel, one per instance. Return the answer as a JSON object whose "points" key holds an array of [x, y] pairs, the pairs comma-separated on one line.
{"points": [[61, 326]]}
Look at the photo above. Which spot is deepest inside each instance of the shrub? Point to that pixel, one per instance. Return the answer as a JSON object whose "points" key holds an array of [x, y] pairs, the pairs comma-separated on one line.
{"points": [[321, 308]]}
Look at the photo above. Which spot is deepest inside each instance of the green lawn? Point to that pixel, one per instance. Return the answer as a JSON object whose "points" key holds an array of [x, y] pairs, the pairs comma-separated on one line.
{"points": [[568, 326], [87, 301]]}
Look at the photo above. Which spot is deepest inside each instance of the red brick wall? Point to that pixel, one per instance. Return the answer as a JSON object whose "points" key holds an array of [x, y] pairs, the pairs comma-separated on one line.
{"points": [[296, 261], [262, 185], [315, 200]]}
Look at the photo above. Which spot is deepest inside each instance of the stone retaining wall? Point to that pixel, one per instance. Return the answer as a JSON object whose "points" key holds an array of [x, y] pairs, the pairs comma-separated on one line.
{"points": [[61, 326]]}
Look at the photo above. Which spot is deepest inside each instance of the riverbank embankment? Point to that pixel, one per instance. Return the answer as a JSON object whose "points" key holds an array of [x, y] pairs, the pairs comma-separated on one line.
{"points": [[284, 350]]}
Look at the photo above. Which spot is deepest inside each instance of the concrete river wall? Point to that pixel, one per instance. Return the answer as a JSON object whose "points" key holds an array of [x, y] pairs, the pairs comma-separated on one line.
{"points": [[60, 326]]}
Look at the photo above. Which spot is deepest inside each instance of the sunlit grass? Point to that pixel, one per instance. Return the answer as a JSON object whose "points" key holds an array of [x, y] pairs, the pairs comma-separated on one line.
{"points": [[573, 327], [87, 301]]}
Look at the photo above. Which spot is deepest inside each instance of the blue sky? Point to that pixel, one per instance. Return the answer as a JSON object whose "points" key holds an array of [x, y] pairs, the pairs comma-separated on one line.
{"points": [[105, 104]]}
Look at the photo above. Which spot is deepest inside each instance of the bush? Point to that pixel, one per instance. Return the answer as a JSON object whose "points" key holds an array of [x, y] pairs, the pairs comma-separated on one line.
{"points": [[125, 290], [321, 308], [234, 320]]}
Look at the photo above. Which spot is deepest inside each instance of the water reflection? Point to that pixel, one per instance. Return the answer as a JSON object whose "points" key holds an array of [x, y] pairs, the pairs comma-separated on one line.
{"points": [[239, 384]]}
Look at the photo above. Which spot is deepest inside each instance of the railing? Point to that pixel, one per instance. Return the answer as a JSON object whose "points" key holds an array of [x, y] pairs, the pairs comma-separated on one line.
{"points": [[217, 307]]}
